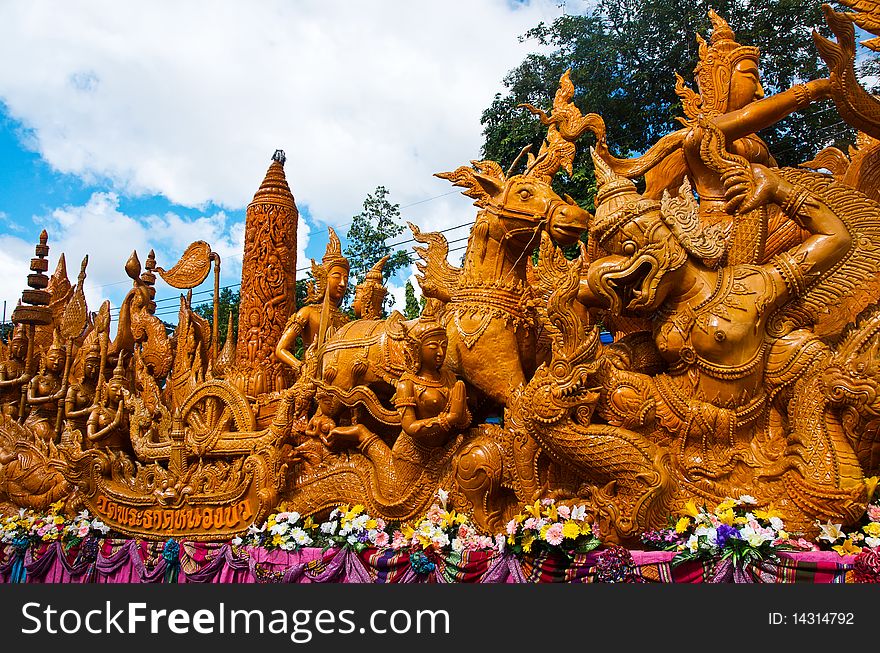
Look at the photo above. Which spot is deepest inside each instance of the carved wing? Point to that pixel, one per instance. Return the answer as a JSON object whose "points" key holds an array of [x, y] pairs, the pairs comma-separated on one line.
{"points": [[831, 159], [192, 268], [437, 277], [867, 17], [854, 283], [855, 105]]}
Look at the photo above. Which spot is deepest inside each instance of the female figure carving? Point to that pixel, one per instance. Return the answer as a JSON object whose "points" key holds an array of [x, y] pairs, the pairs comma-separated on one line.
{"points": [[12, 373], [44, 392], [433, 407], [81, 396]]}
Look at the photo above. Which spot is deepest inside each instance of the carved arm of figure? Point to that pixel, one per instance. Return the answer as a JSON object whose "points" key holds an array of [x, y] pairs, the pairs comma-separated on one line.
{"points": [[798, 267], [765, 112], [286, 344], [35, 399], [14, 381], [93, 431], [70, 402]]}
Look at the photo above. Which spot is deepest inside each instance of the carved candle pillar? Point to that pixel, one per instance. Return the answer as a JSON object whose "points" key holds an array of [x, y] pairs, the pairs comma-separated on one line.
{"points": [[268, 280]]}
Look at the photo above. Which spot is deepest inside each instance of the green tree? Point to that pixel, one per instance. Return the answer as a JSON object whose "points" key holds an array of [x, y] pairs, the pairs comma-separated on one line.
{"points": [[368, 236], [623, 57], [412, 309], [229, 302]]}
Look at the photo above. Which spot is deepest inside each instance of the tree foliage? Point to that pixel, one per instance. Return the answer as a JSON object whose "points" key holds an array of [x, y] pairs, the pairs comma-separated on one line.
{"points": [[624, 56], [412, 309], [369, 235], [229, 302]]}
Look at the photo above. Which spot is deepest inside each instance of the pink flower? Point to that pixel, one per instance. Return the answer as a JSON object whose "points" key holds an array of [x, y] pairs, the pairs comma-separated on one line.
{"points": [[874, 512], [398, 541], [529, 524], [463, 531], [382, 538], [435, 514], [83, 529], [554, 535], [564, 511], [511, 527]]}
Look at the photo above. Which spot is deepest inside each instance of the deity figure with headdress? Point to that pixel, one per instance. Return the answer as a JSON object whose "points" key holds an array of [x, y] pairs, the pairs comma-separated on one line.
{"points": [[13, 374], [732, 98], [432, 405], [107, 424], [323, 304], [46, 390], [369, 295], [82, 395]]}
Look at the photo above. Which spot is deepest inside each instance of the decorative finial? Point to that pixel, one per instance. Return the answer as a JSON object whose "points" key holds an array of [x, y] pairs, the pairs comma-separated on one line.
{"points": [[279, 156]]}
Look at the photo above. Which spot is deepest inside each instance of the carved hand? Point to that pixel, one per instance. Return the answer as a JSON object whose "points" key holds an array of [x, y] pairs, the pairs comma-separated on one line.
{"points": [[458, 403], [746, 190]]}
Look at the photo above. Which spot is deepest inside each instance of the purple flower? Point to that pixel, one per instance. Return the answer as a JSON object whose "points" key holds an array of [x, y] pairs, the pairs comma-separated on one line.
{"points": [[724, 533]]}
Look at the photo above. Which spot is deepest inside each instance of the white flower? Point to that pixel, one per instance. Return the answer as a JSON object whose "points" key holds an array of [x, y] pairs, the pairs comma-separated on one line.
{"points": [[747, 498], [288, 545], [300, 536], [293, 517], [830, 532], [872, 542], [458, 545], [443, 495], [280, 528], [84, 514], [500, 542], [329, 527], [98, 525], [236, 541], [352, 539], [579, 513], [777, 524], [693, 543], [254, 530]]}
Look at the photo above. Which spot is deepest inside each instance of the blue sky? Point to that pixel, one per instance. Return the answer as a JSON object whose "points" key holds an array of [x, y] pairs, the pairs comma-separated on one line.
{"points": [[149, 125]]}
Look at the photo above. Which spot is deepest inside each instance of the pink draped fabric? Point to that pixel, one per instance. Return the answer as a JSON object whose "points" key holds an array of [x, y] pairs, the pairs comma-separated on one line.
{"points": [[135, 561]]}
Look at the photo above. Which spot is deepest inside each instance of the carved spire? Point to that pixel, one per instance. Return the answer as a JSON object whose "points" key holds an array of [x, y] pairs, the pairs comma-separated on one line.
{"points": [[274, 189]]}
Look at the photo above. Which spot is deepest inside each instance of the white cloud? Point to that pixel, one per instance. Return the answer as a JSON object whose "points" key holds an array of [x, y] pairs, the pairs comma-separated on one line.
{"points": [[189, 100]]}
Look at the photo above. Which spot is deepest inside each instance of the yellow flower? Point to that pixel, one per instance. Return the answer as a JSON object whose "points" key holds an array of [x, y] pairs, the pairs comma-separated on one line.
{"points": [[511, 539], [271, 520], [59, 519], [461, 519], [544, 529], [552, 514], [277, 540], [872, 529], [726, 517], [407, 531], [527, 542], [55, 507], [682, 524], [724, 506], [690, 509], [847, 548], [586, 528], [354, 512], [520, 518], [308, 523], [871, 486], [371, 523], [768, 514], [570, 530], [535, 510]]}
